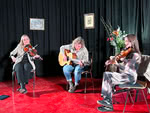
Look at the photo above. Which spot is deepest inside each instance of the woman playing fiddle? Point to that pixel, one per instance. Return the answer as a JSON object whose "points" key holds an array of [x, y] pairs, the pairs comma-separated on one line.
{"points": [[127, 75], [23, 63]]}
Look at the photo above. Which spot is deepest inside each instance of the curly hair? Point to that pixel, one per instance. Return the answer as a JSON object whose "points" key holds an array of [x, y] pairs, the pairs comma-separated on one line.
{"points": [[78, 40]]}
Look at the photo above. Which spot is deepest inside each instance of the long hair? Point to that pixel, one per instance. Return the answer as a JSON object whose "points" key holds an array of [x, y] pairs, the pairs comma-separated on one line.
{"points": [[134, 43], [78, 40], [21, 40]]}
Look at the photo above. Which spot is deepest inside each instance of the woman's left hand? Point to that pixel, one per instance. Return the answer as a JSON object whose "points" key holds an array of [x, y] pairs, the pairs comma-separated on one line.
{"points": [[37, 56]]}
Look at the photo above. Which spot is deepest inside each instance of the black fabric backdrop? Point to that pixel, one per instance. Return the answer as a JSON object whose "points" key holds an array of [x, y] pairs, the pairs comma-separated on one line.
{"points": [[64, 21]]}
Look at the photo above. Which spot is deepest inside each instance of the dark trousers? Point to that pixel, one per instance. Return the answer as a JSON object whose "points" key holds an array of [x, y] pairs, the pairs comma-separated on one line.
{"points": [[23, 72]]}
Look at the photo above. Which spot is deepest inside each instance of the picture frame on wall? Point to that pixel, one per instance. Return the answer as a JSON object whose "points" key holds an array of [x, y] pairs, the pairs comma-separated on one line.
{"points": [[89, 21], [37, 24]]}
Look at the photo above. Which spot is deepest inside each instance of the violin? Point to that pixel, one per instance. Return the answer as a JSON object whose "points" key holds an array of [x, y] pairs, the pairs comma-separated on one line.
{"points": [[122, 54], [31, 50]]}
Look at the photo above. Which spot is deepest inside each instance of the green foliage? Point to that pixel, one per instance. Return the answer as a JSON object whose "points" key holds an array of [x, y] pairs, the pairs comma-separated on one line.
{"points": [[115, 37]]}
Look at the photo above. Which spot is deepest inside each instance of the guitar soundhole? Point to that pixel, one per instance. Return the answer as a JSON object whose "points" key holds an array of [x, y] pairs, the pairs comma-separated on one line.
{"points": [[67, 58]]}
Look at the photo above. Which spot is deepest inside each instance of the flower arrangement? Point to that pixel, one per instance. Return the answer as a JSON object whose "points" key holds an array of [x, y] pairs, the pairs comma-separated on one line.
{"points": [[116, 37]]}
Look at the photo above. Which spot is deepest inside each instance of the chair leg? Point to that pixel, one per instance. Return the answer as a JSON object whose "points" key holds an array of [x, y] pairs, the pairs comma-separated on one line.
{"points": [[85, 82], [146, 101], [137, 92], [67, 86], [13, 81], [131, 97], [92, 82], [34, 80], [13, 87], [126, 101]]}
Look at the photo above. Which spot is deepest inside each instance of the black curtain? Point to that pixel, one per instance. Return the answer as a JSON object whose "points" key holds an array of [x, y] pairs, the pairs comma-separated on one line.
{"points": [[64, 21]]}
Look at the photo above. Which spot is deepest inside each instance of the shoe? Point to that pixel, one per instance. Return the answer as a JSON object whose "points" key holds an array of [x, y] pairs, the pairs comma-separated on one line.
{"points": [[18, 89], [105, 109], [72, 90], [23, 91], [70, 84], [105, 102]]}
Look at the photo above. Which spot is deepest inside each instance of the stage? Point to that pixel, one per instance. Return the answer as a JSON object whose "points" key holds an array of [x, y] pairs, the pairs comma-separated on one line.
{"points": [[50, 96]]}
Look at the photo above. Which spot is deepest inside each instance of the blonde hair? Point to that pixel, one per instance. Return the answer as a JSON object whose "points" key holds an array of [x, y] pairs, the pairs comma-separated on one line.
{"points": [[21, 40], [134, 42], [78, 40]]}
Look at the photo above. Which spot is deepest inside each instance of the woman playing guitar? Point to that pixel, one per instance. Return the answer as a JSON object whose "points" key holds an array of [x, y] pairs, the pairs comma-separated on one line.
{"points": [[73, 57]]}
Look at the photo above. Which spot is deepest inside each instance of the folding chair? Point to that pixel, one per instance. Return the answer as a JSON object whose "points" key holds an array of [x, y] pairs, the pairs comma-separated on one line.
{"points": [[137, 86]]}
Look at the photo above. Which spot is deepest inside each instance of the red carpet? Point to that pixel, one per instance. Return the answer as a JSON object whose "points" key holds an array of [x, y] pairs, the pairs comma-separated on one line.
{"points": [[50, 96]]}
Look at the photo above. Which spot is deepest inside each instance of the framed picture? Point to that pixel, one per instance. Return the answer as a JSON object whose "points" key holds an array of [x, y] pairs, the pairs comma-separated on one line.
{"points": [[89, 21], [36, 24]]}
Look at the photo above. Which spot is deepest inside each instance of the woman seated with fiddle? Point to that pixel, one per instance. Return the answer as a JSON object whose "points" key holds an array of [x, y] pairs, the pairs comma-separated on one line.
{"points": [[128, 74], [23, 62]]}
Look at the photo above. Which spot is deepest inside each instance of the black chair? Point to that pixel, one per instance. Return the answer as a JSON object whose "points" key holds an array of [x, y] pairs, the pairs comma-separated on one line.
{"points": [[121, 91], [139, 85], [88, 70]]}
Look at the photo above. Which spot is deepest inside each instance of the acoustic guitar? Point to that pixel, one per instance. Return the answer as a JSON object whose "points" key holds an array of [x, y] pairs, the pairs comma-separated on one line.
{"points": [[71, 57]]}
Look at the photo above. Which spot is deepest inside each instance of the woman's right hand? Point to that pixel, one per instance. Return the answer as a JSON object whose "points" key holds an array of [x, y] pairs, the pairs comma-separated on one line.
{"points": [[107, 62], [110, 61], [111, 57], [13, 59]]}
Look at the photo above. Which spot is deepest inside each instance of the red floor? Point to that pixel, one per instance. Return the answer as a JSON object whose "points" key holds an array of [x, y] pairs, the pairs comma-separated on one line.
{"points": [[50, 96]]}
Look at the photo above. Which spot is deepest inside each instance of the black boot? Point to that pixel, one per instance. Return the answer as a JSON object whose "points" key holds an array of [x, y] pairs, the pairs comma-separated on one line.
{"points": [[73, 89], [23, 89], [70, 85]]}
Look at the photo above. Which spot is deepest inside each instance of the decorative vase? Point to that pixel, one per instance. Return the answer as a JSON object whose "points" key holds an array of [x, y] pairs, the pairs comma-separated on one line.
{"points": [[117, 50]]}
